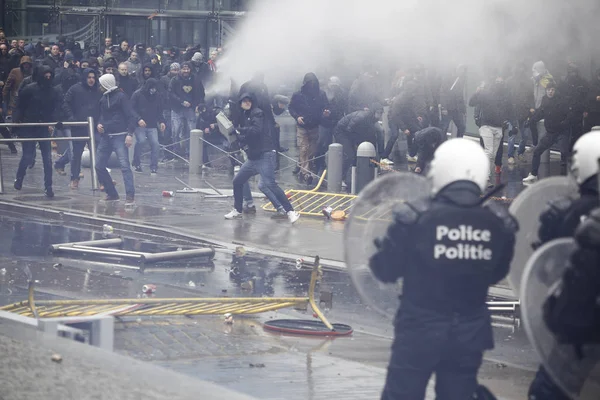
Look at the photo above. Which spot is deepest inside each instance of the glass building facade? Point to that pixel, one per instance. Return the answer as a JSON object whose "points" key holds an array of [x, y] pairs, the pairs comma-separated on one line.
{"points": [[152, 22]]}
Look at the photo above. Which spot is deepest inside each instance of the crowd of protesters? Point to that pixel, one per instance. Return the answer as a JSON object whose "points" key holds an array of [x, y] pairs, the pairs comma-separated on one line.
{"points": [[158, 95]]}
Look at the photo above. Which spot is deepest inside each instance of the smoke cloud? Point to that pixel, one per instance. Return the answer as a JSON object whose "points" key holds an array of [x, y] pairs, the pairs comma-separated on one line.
{"points": [[287, 38]]}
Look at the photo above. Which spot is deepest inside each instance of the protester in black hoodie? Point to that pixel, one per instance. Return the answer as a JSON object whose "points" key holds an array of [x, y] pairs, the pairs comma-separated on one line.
{"points": [[186, 93], [352, 130], [146, 73], [147, 103], [258, 145], [81, 101], [556, 115], [308, 107], [37, 103]]}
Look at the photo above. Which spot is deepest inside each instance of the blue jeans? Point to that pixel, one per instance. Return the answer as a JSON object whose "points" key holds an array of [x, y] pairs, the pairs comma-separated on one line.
{"points": [[525, 133], [107, 144], [28, 155], [141, 136], [265, 167], [178, 121], [67, 156]]}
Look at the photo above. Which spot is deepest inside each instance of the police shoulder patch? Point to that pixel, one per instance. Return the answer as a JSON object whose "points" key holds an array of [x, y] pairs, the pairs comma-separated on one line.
{"points": [[510, 222], [409, 212]]}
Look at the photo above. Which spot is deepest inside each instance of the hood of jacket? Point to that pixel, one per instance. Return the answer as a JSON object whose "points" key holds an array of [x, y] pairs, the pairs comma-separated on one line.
{"points": [[39, 77], [84, 76], [25, 60], [150, 83], [310, 84], [151, 67], [247, 95], [539, 69]]}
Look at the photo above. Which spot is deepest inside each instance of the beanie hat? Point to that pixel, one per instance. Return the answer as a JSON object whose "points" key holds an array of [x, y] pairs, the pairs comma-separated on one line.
{"points": [[174, 66], [69, 57], [197, 57], [107, 81]]}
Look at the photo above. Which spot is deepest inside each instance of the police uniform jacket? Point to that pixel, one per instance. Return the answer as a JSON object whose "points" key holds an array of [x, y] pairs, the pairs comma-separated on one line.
{"points": [[448, 249]]}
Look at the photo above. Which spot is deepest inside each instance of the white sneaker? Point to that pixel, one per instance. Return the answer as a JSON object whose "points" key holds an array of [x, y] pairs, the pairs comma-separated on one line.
{"points": [[411, 159], [233, 214], [387, 161], [530, 178], [511, 161], [236, 169], [293, 216]]}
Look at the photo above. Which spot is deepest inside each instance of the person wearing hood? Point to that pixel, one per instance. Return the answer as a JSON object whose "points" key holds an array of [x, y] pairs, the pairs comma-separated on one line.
{"points": [[13, 82], [37, 102], [117, 120], [308, 107], [146, 73], [592, 105], [147, 102], [134, 65], [338, 104], [155, 64], [126, 81], [186, 92], [257, 88], [495, 114], [81, 101], [256, 140], [352, 130], [556, 114], [575, 90]]}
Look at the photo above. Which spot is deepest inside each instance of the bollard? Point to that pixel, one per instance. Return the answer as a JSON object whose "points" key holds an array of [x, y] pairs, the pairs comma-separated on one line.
{"points": [[365, 170], [545, 158], [335, 156], [196, 148]]}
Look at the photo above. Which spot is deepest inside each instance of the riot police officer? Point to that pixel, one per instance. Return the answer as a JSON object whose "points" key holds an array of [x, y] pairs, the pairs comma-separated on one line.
{"points": [[449, 248], [560, 219]]}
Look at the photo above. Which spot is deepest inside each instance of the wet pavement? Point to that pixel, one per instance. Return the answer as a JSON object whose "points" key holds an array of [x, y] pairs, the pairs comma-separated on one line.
{"points": [[203, 346]]}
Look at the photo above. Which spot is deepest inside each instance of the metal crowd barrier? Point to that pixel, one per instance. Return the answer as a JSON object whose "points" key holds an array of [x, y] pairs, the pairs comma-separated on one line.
{"points": [[91, 130]]}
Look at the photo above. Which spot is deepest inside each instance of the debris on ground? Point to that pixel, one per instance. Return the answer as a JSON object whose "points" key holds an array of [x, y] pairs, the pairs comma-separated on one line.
{"points": [[257, 365], [57, 358]]}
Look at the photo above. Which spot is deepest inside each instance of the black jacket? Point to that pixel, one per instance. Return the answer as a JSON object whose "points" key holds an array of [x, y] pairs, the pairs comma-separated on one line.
{"points": [[116, 113], [149, 106], [260, 92], [38, 102], [522, 96], [555, 112], [253, 134], [83, 101], [185, 89], [575, 91], [444, 293], [359, 126], [452, 94], [140, 78], [426, 141], [494, 104], [309, 103], [338, 104], [128, 84], [52, 62]]}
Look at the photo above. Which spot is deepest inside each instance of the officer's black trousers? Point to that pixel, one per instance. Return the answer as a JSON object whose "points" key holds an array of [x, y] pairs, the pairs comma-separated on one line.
{"points": [[412, 364]]}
